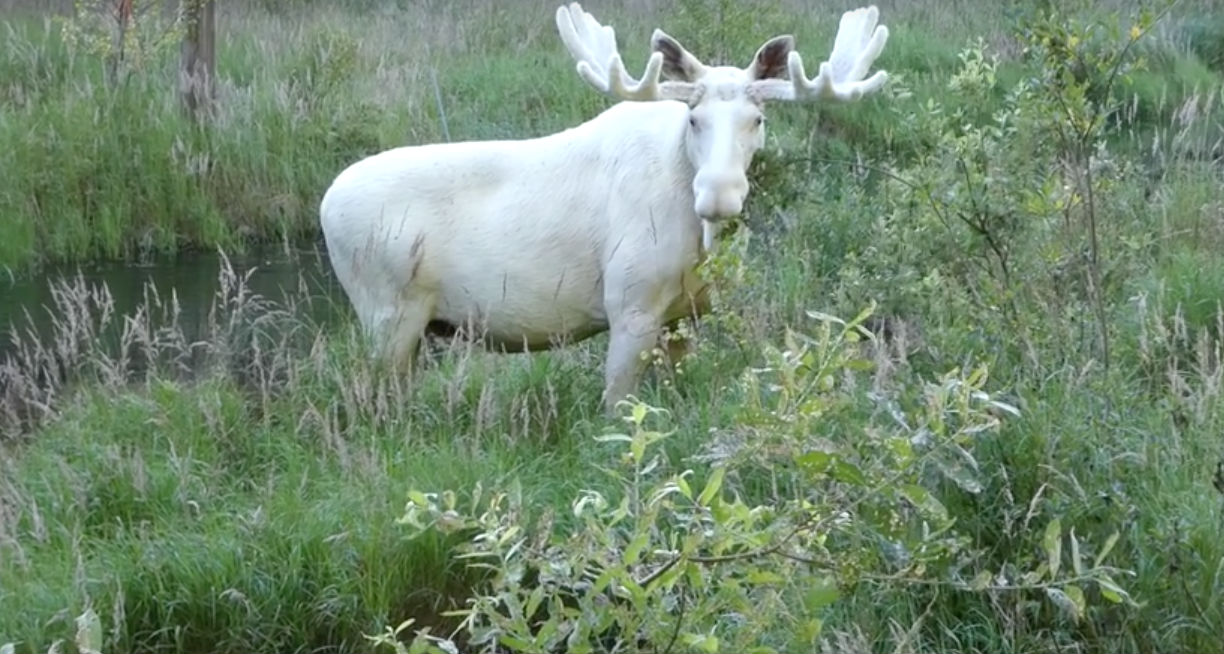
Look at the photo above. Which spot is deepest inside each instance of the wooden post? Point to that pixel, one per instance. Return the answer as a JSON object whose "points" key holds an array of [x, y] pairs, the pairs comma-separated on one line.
{"points": [[198, 62]]}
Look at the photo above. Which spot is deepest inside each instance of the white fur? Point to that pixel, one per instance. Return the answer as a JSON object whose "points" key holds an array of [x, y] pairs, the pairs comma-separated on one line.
{"points": [[537, 241]]}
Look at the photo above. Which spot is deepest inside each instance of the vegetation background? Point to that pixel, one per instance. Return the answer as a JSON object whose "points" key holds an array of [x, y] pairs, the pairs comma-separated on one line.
{"points": [[1024, 455]]}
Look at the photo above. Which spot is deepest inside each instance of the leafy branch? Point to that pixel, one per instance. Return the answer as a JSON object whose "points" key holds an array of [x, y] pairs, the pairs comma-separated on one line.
{"points": [[597, 584]]}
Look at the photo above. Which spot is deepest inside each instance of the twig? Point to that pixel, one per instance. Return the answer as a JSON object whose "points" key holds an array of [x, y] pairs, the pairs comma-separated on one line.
{"points": [[960, 585], [679, 621], [910, 633]]}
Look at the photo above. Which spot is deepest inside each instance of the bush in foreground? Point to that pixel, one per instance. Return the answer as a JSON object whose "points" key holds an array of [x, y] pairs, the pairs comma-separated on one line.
{"points": [[241, 492]]}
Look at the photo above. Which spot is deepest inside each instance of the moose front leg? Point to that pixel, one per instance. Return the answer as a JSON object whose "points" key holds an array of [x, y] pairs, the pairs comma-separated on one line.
{"points": [[632, 337]]}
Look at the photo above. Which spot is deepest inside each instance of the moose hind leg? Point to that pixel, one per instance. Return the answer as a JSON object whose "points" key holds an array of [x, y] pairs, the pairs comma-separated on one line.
{"points": [[398, 332]]}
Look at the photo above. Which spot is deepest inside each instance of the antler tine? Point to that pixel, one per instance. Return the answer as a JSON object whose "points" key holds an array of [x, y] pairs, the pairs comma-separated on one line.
{"points": [[858, 42], [593, 46]]}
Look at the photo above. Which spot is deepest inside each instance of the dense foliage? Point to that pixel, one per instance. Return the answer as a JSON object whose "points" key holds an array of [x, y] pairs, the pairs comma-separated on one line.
{"points": [[962, 390]]}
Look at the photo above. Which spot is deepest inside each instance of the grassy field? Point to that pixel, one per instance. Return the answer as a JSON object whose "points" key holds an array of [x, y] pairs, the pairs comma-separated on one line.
{"points": [[241, 493]]}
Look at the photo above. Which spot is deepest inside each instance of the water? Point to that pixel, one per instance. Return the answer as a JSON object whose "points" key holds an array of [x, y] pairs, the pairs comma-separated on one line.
{"points": [[276, 273]]}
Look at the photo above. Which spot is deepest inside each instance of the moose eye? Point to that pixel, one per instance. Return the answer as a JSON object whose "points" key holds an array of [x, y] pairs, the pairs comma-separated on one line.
{"points": [[693, 122], [760, 120]]}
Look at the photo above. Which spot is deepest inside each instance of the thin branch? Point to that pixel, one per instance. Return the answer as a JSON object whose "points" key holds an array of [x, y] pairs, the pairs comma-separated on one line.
{"points": [[667, 565], [679, 621], [912, 632], [960, 585], [1126, 48], [980, 226], [1094, 269]]}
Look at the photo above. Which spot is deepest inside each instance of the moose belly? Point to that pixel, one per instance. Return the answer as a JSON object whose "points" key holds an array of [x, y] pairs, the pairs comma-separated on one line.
{"points": [[523, 309]]}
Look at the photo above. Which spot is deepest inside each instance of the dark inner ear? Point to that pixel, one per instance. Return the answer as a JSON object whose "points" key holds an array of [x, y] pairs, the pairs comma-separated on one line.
{"points": [[677, 63], [770, 60]]}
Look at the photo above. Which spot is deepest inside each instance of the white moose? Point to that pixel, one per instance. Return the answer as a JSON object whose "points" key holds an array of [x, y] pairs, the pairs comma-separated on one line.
{"points": [[598, 227]]}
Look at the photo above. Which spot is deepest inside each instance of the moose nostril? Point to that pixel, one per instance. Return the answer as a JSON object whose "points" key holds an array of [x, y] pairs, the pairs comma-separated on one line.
{"points": [[732, 204], [711, 206]]}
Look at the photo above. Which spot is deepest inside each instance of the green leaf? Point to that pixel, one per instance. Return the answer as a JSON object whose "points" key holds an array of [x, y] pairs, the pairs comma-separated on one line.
{"points": [[546, 631], [763, 577], [1105, 549], [1112, 591], [89, 632], [981, 581], [601, 582], [418, 645], [823, 593], [859, 365], [809, 630], [701, 642], [925, 501], [695, 579], [976, 377], [1077, 597], [1076, 564], [637, 594], [418, 498], [815, 461], [667, 579], [712, 486], [958, 466], [533, 602], [578, 643], [634, 550], [515, 644], [849, 473], [639, 413], [1053, 545], [824, 317], [638, 447], [1064, 602], [683, 485], [1004, 406]]}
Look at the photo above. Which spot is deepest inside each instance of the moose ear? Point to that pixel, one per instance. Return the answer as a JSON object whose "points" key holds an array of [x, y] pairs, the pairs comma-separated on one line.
{"points": [[678, 63], [770, 60]]}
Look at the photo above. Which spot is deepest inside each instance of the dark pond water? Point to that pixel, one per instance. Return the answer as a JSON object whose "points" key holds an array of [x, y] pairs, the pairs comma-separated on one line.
{"points": [[275, 273]]}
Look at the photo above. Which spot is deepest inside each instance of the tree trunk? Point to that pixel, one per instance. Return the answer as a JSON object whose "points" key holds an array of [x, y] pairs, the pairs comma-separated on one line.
{"points": [[199, 58], [122, 13]]}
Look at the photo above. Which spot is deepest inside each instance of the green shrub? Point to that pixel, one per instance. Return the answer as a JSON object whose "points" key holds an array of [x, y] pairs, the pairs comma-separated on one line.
{"points": [[663, 560], [1006, 206]]}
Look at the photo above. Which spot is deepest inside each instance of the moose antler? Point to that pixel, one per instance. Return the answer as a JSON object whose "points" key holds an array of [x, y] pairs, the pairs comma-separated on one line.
{"points": [[599, 62], [858, 42]]}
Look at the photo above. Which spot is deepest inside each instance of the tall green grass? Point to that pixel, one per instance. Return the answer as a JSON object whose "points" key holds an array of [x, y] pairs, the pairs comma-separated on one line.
{"points": [[115, 170], [240, 493]]}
